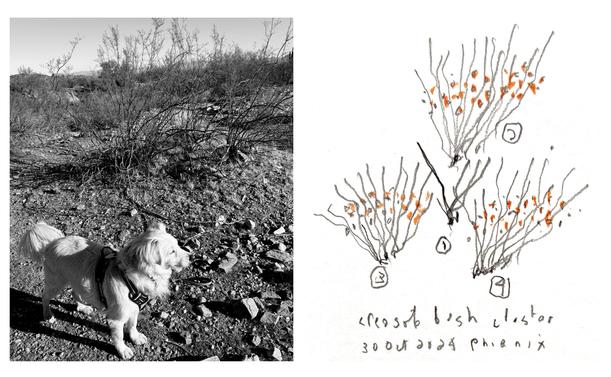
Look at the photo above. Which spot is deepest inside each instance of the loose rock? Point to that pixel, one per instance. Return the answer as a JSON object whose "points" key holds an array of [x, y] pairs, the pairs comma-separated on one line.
{"points": [[251, 307], [269, 318], [203, 310], [281, 256], [277, 354], [228, 262]]}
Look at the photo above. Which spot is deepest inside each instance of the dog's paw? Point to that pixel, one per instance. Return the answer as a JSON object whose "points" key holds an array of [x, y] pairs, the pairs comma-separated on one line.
{"points": [[138, 338], [85, 309], [125, 352]]}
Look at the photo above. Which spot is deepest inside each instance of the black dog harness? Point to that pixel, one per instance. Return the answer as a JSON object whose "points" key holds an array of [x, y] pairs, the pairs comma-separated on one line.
{"points": [[106, 256]]}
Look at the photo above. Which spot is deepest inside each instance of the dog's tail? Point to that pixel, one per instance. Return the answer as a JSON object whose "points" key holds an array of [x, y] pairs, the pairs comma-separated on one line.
{"points": [[34, 240]]}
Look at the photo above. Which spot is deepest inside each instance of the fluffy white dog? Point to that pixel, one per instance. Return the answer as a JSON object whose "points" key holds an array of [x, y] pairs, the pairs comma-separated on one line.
{"points": [[117, 282]]}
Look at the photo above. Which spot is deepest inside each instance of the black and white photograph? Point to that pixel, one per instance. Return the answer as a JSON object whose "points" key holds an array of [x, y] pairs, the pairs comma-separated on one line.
{"points": [[151, 189]]}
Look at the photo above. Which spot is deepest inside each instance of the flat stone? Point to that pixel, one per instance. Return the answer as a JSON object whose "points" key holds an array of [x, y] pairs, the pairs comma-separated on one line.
{"points": [[277, 354], [270, 295], [228, 262], [251, 307], [281, 256], [269, 318], [279, 231], [255, 340]]}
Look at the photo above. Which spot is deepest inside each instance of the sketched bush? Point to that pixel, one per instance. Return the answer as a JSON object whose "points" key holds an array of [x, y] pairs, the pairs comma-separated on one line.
{"points": [[466, 106], [381, 219], [505, 223]]}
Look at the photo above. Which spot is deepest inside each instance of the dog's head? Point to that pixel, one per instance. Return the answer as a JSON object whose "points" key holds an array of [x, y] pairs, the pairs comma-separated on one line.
{"points": [[155, 252]]}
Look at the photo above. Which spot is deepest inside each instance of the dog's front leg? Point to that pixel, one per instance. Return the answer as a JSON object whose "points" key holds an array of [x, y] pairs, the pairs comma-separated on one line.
{"points": [[137, 337], [116, 334]]}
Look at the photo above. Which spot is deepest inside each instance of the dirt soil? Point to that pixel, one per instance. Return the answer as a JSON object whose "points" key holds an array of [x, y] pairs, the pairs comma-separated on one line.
{"points": [[210, 210]]}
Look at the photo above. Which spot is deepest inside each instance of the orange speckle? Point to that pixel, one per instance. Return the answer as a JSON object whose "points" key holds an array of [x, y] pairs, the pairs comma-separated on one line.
{"points": [[446, 102], [511, 84], [372, 194], [520, 223], [472, 101], [506, 226], [549, 197], [508, 204], [474, 74], [461, 94], [562, 204], [541, 79], [523, 67], [432, 90], [402, 197], [485, 214], [412, 195], [466, 85], [417, 219], [392, 210], [520, 83], [404, 207], [486, 79], [491, 218], [517, 209], [530, 74], [475, 226], [520, 96], [548, 218], [534, 200], [387, 195], [409, 215], [429, 196], [379, 204], [479, 103], [487, 95], [473, 88], [532, 87], [459, 110], [526, 203], [417, 204], [540, 209]]}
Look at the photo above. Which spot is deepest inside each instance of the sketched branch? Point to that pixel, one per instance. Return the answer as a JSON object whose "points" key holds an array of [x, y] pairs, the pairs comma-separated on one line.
{"points": [[451, 208], [380, 219]]}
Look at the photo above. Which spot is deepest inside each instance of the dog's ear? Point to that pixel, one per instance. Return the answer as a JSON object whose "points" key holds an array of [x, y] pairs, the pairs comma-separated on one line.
{"points": [[156, 226], [143, 253]]}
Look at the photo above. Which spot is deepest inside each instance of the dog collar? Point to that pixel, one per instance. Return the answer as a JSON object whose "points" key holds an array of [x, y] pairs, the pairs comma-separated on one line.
{"points": [[107, 254], [134, 294]]}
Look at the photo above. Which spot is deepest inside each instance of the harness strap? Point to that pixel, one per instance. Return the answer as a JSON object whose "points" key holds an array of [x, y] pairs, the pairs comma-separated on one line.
{"points": [[106, 256]]}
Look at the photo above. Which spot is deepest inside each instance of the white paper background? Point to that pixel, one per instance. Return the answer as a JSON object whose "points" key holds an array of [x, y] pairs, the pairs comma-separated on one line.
{"points": [[357, 100]]}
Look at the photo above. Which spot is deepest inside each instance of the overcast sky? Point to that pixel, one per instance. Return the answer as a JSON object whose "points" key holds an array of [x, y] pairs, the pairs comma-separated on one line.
{"points": [[36, 40]]}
